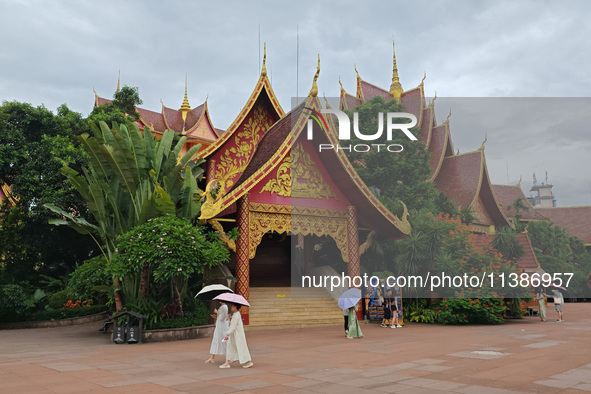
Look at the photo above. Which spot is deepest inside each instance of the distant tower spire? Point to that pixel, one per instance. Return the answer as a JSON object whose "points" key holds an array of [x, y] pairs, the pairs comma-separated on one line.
{"points": [[119, 82], [314, 90], [185, 107], [264, 68], [395, 87]]}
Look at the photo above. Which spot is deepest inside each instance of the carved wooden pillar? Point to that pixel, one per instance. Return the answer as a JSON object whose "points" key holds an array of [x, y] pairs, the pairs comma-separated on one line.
{"points": [[353, 265], [242, 254]]}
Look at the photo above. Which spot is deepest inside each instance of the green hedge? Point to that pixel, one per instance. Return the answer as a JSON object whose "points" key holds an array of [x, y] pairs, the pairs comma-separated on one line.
{"points": [[57, 314]]}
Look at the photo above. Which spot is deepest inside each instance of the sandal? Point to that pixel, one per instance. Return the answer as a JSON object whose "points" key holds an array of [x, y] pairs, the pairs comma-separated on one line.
{"points": [[248, 364], [209, 361], [225, 366]]}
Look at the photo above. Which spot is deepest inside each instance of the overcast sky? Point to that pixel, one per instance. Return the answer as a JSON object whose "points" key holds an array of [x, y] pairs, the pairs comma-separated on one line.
{"points": [[56, 52]]}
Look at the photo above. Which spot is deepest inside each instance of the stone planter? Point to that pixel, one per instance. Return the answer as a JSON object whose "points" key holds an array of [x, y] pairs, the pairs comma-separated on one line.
{"points": [[178, 334], [55, 323]]}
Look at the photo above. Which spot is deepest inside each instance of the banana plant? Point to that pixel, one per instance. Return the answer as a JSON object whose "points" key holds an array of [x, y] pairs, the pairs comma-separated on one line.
{"points": [[131, 177]]}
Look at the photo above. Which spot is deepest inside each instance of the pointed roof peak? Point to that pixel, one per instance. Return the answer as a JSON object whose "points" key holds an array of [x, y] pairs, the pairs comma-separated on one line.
{"points": [[395, 87], [314, 89], [264, 68]]}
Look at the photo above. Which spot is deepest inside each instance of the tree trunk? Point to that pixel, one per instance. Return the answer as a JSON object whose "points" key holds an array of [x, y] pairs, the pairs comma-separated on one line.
{"points": [[177, 299], [145, 281], [117, 296]]}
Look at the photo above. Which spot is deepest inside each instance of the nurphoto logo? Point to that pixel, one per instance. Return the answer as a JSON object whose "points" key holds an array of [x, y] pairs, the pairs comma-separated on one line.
{"points": [[345, 130]]}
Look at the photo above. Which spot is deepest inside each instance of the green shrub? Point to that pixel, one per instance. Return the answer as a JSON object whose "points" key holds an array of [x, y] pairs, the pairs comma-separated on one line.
{"points": [[88, 278], [471, 311], [12, 302], [53, 314], [58, 299]]}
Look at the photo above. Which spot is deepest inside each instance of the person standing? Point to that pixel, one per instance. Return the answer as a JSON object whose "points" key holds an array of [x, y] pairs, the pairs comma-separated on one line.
{"points": [[542, 304], [558, 302], [387, 312], [354, 328], [236, 347], [218, 345], [395, 313], [346, 317]]}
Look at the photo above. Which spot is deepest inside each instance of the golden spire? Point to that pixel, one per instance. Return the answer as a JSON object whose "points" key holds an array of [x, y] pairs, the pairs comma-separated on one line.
{"points": [[342, 88], [314, 90], [356, 72], [483, 142], [119, 82], [396, 87], [185, 107], [519, 183], [264, 68]]}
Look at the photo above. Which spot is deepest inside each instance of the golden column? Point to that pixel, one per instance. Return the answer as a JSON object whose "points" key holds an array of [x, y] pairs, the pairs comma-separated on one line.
{"points": [[242, 259], [354, 265]]}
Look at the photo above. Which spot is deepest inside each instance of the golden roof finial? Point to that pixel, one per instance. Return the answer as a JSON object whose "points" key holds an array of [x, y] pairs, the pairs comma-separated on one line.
{"points": [[424, 77], [457, 151], [448, 116], [356, 72], [264, 68], [519, 183], [314, 90], [433, 101], [342, 88], [326, 101], [395, 87], [119, 82], [185, 107], [483, 142]]}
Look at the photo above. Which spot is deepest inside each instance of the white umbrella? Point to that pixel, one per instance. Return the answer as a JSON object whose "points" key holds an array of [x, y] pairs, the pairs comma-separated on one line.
{"points": [[212, 291]]}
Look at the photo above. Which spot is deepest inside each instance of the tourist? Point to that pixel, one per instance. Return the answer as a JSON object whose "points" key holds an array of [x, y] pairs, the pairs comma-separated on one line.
{"points": [[387, 312], [236, 347], [395, 314], [346, 317], [354, 328], [218, 345], [558, 301], [542, 304]]}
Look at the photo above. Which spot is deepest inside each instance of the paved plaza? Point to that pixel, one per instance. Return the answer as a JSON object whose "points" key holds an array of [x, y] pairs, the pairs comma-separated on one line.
{"points": [[519, 356]]}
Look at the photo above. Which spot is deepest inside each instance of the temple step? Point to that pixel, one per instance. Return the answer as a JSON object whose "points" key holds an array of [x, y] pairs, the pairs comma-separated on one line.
{"points": [[282, 307]]}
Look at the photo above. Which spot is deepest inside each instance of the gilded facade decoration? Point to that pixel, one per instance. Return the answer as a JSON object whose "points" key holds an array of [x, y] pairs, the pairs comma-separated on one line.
{"points": [[235, 159], [307, 181]]}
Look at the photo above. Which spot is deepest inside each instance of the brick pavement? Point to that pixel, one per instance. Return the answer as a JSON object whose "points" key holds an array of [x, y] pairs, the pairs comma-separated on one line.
{"points": [[519, 356]]}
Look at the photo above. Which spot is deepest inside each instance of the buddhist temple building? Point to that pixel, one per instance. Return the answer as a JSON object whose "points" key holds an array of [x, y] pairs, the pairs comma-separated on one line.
{"points": [[462, 177], [264, 175], [193, 123]]}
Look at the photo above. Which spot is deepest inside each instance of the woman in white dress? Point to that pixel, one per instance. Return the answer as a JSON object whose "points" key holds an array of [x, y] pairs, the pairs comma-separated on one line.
{"points": [[218, 345], [236, 348]]}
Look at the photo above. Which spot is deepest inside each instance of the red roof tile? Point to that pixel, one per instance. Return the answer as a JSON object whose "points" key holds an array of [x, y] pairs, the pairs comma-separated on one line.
{"points": [[576, 221], [507, 195], [459, 177], [370, 91], [437, 148]]}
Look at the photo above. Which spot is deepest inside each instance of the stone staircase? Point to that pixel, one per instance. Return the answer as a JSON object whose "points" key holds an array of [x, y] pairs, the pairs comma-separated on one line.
{"points": [[284, 307]]}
